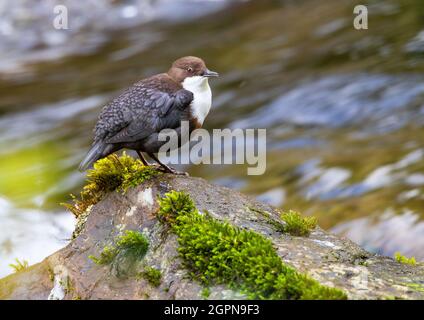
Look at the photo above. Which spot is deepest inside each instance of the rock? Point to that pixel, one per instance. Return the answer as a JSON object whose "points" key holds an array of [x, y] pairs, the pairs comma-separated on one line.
{"points": [[71, 274]]}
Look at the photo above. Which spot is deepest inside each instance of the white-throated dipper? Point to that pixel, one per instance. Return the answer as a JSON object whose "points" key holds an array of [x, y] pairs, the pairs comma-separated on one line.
{"points": [[134, 119]]}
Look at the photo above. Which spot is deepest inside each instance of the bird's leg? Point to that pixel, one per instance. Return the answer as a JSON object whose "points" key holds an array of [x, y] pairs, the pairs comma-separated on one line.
{"points": [[165, 167], [147, 164], [142, 158]]}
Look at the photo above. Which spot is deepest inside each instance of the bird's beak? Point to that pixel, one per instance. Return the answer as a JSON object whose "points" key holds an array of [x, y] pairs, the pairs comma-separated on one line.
{"points": [[208, 73]]}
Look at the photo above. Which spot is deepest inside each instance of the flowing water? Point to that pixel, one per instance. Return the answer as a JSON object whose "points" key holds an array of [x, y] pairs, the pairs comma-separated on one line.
{"points": [[343, 108]]}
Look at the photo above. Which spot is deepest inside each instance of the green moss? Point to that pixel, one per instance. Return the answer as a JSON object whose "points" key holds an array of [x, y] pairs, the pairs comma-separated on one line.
{"points": [[363, 263], [130, 243], [297, 225], [175, 204], [51, 274], [402, 259], [276, 224], [109, 174], [106, 256], [419, 287], [206, 292], [19, 265], [215, 252], [294, 224], [152, 275], [133, 241]]}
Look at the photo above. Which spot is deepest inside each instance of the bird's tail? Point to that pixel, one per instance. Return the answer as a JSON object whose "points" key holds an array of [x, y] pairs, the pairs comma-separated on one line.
{"points": [[95, 153]]}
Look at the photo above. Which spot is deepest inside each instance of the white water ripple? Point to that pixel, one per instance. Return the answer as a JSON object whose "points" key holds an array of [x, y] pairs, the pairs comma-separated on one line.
{"points": [[30, 234]]}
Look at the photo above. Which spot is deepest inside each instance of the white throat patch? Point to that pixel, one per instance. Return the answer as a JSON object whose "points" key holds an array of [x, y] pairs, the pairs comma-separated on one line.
{"points": [[202, 96]]}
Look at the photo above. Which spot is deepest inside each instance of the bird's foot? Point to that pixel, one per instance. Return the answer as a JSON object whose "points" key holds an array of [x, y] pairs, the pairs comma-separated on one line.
{"points": [[181, 173], [167, 169]]}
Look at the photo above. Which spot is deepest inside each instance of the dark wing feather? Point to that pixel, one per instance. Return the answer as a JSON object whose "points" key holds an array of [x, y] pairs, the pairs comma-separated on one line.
{"points": [[142, 110]]}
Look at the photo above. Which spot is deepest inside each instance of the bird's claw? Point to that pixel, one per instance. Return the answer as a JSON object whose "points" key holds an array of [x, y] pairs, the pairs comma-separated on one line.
{"points": [[174, 171], [155, 165], [181, 173], [168, 169]]}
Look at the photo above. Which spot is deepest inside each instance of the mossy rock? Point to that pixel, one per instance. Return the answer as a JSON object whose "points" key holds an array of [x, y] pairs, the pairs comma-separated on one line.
{"points": [[188, 243]]}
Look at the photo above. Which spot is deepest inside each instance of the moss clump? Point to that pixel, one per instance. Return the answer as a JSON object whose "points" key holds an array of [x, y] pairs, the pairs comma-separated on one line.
{"points": [[206, 292], [297, 225], [19, 265], [131, 242], [402, 259], [152, 275], [276, 224], [175, 204], [106, 256], [217, 253], [109, 174]]}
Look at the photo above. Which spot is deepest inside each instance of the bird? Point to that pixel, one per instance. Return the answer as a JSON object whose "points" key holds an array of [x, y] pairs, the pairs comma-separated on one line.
{"points": [[134, 119]]}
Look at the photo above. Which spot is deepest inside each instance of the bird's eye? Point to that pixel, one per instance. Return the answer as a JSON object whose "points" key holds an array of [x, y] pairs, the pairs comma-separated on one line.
{"points": [[190, 69]]}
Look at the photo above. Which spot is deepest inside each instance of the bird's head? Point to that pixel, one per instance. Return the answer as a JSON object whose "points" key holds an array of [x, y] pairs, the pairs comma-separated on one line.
{"points": [[190, 70]]}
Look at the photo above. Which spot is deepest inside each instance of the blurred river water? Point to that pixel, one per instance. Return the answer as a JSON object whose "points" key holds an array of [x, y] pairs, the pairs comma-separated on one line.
{"points": [[343, 108]]}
